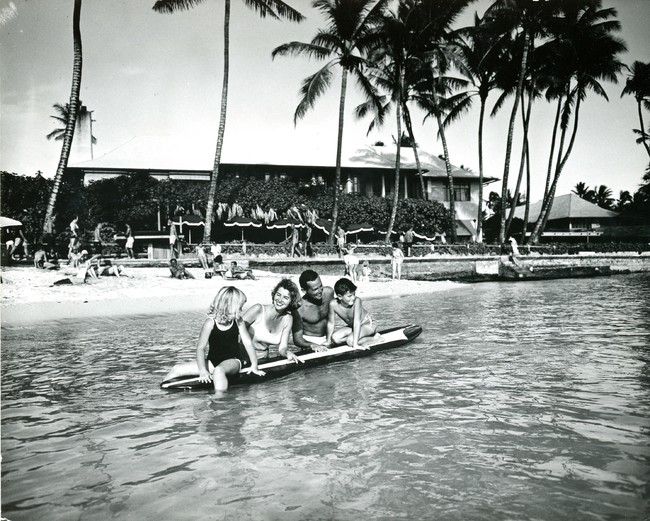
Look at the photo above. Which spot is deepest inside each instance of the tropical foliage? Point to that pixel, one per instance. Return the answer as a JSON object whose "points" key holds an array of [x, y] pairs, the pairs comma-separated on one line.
{"points": [[276, 9]]}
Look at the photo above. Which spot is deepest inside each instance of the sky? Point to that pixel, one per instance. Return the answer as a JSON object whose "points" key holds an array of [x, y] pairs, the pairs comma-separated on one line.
{"points": [[153, 82]]}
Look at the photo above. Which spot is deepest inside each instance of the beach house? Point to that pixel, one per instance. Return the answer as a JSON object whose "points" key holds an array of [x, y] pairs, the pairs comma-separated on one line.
{"points": [[367, 170]]}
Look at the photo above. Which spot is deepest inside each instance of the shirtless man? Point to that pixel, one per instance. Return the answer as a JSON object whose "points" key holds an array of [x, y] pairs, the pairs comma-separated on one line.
{"points": [[310, 319]]}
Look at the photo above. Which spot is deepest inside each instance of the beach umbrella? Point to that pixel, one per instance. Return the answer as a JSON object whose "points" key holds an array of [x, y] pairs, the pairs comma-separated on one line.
{"points": [[283, 224], [190, 220], [355, 228], [423, 236], [324, 225], [243, 222], [6, 222]]}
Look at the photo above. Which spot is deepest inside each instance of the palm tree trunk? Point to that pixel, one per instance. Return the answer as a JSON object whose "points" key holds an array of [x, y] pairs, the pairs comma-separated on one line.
{"points": [[48, 224], [546, 208], [398, 161], [552, 152], [525, 117], [443, 138], [207, 231], [339, 148], [643, 133], [522, 239], [479, 217], [409, 128], [511, 129]]}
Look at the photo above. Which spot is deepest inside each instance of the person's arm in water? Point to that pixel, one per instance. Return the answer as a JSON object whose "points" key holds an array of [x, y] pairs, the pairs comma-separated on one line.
{"points": [[283, 347], [202, 343], [248, 345]]}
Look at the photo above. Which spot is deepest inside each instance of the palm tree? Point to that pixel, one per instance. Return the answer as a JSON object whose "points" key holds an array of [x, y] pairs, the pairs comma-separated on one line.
{"points": [[625, 199], [48, 224], [62, 117], [585, 30], [345, 42], [440, 49], [583, 191], [603, 197], [276, 9], [527, 20], [638, 85], [482, 49]]}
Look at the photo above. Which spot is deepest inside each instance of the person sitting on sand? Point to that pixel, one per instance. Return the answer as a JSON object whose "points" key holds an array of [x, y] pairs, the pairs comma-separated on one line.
{"points": [[360, 328], [237, 272], [270, 324], [219, 268], [178, 271], [106, 269], [87, 266], [310, 319], [42, 261], [365, 272], [221, 333], [202, 257]]}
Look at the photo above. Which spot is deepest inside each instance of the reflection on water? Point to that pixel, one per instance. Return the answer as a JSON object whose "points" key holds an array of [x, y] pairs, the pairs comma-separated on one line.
{"points": [[519, 401]]}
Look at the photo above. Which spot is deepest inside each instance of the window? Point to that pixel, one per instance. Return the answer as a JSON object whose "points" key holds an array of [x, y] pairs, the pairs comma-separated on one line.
{"points": [[462, 191]]}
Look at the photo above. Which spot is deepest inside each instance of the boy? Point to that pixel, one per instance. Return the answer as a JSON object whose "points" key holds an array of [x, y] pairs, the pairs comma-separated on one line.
{"points": [[360, 330]]}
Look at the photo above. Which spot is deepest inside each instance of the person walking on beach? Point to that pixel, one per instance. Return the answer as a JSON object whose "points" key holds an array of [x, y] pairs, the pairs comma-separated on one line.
{"points": [[365, 271], [310, 319], [203, 260], [360, 328], [74, 236], [220, 335], [130, 241], [397, 258], [351, 262], [308, 247], [295, 242], [173, 239]]}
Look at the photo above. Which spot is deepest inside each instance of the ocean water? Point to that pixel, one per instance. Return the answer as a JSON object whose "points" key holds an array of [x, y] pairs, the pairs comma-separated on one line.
{"points": [[519, 401]]}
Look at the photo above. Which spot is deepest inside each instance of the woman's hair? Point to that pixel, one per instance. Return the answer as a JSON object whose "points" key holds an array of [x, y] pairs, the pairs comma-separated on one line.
{"points": [[294, 292], [218, 259], [227, 303]]}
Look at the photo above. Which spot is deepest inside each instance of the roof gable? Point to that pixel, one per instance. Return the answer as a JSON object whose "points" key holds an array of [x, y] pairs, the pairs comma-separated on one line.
{"points": [[569, 206]]}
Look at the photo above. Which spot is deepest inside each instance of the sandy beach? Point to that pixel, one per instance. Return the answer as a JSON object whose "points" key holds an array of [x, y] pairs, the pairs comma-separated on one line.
{"points": [[29, 296]]}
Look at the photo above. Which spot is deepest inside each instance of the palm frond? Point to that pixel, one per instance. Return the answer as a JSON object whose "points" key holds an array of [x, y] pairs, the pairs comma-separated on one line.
{"points": [[171, 6], [311, 89]]}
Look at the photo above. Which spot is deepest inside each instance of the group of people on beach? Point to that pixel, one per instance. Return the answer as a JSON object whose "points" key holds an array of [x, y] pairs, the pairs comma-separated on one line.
{"points": [[232, 339]]}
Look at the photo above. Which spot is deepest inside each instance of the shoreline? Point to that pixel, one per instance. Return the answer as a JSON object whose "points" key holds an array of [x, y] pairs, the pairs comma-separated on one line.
{"points": [[28, 296]]}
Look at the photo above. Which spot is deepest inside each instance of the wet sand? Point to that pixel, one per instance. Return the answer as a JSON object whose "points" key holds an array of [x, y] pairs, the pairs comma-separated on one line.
{"points": [[28, 294]]}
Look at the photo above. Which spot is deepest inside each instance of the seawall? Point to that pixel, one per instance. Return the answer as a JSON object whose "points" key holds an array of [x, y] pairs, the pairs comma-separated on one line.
{"points": [[474, 268]]}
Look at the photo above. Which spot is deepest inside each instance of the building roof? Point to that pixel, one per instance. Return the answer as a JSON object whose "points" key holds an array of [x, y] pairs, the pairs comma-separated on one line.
{"points": [[158, 153], [569, 206]]}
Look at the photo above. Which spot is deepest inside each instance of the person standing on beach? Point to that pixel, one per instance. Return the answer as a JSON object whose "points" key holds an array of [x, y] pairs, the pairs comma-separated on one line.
{"points": [[310, 319], [173, 239], [308, 247], [130, 241], [408, 241], [295, 242], [74, 236], [397, 258], [340, 241]]}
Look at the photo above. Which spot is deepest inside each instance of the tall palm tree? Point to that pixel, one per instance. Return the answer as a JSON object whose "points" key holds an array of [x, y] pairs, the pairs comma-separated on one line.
{"points": [[275, 9], [586, 30], [61, 116], [638, 85], [344, 43], [527, 20], [48, 224], [482, 49], [439, 51]]}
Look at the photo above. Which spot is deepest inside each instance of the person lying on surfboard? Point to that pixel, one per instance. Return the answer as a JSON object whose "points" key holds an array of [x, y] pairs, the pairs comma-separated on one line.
{"points": [[221, 333], [360, 329]]}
